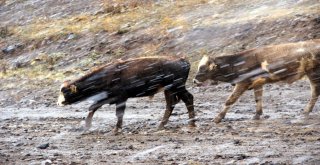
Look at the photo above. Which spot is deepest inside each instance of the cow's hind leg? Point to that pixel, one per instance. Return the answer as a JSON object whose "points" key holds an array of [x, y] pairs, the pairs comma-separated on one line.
{"points": [[258, 98], [187, 98], [239, 89], [120, 107], [171, 100], [314, 78]]}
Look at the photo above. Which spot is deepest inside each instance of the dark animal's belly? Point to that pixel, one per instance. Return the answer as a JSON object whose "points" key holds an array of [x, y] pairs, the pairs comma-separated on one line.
{"points": [[148, 87], [142, 91]]}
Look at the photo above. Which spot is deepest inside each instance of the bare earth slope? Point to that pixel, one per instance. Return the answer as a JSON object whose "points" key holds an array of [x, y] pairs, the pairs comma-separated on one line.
{"points": [[44, 42]]}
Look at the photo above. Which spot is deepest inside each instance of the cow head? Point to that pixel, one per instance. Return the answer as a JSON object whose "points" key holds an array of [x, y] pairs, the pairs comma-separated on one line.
{"points": [[206, 70], [69, 93]]}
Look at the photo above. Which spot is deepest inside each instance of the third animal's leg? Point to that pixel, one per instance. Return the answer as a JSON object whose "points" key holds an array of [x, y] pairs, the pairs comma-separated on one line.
{"points": [[239, 89], [258, 98], [169, 96], [187, 98], [315, 91], [120, 107]]}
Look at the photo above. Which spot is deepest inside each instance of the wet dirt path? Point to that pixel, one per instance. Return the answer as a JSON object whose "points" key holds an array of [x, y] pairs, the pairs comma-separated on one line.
{"points": [[283, 135]]}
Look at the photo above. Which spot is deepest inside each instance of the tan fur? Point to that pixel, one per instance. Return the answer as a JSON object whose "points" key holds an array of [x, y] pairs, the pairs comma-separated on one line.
{"points": [[203, 61], [264, 66], [258, 82], [275, 63]]}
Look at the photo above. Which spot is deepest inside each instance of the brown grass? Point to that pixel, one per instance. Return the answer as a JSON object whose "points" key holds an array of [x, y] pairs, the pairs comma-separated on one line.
{"points": [[134, 12], [40, 68]]}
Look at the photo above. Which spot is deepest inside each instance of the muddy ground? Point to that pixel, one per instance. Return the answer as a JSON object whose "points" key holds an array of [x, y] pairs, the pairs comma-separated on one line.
{"points": [[282, 136], [45, 42]]}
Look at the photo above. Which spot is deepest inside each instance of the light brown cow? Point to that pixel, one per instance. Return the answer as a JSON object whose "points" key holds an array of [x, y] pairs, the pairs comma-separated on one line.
{"points": [[253, 68]]}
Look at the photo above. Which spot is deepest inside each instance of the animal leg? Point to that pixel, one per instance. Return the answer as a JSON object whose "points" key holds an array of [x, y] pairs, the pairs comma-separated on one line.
{"points": [[239, 89], [315, 91], [92, 110], [120, 107], [187, 98], [170, 100], [258, 98]]}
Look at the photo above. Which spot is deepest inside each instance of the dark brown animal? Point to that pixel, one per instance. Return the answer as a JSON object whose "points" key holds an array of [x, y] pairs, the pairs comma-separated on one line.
{"points": [[252, 69], [114, 83]]}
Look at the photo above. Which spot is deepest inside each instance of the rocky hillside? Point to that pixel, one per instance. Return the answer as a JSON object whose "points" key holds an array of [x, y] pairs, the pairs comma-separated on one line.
{"points": [[44, 42]]}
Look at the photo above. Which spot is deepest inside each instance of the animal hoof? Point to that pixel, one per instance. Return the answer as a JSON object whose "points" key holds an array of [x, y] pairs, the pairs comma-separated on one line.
{"points": [[160, 128], [85, 129], [217, 119], [116, 131], [192, 125], [305, 113], [87, 126], [256, 117]]}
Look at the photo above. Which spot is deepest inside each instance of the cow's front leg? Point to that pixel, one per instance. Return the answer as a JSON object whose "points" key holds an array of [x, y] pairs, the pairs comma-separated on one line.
{"points": [[92, 110], [238, 90], [258, 91], [120, 107]]}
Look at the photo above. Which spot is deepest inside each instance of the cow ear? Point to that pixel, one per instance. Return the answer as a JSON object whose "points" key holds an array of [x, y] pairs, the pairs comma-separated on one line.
{"points": [[218, 60], [73, 88]]}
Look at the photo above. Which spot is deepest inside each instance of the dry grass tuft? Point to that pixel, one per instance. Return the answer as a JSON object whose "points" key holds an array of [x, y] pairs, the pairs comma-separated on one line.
{"points": [[121, 6], [117, 14]]}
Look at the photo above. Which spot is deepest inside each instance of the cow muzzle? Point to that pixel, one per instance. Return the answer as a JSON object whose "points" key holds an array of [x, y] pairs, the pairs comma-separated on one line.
{"points": [[61, 100], [197, 82]]}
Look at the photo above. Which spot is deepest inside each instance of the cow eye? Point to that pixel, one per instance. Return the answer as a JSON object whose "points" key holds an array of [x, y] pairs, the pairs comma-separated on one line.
{"points": [[64, 90], [203, 69]]}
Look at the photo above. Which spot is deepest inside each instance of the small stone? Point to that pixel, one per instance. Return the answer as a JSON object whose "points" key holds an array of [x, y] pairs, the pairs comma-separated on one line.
{"points": [[73, 163], [17, 65], [9, 49], [236, 142], [54, 147], [43, 146], [197, 139], [46, 162], [18, 144], [131, 147], [71, 36], [12, 48]]}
